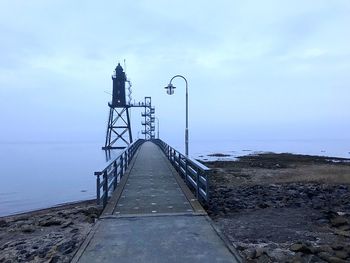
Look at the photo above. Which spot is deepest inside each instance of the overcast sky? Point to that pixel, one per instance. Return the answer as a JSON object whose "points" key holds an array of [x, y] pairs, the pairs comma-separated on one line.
{"points": [[256, 69]]}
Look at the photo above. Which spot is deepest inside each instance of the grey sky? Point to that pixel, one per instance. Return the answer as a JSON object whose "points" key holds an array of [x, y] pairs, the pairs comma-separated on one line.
{"points": [[256, 69]]}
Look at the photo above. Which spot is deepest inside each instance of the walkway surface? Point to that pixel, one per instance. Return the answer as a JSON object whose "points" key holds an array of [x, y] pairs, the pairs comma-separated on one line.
{"points": [[153, 218]]}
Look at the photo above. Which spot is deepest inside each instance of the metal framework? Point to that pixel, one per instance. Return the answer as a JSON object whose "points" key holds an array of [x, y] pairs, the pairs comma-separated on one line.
{"points": [[118, 134], [149, 119]]}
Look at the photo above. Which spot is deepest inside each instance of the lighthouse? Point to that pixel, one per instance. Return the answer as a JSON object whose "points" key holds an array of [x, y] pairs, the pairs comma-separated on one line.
{"points": [[118, 135], [119, 79]]}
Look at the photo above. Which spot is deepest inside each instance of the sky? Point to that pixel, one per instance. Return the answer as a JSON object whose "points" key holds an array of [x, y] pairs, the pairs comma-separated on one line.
{"points": [[255, 69]]}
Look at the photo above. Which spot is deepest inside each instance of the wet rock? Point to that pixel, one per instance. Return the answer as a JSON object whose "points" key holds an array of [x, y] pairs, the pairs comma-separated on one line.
{"points": [[250, 253], [67, 246], [3, 223], [344, 228], [331, 258], [339, 221], [50, 222], [27, 229], [67, 224], [54, 259], [337, 247], [299, 247], [341, 254], [91, 210], [43, 251]]}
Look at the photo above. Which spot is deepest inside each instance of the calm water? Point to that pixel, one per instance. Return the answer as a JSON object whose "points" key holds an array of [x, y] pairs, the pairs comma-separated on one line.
{"points": [[40, 175]]}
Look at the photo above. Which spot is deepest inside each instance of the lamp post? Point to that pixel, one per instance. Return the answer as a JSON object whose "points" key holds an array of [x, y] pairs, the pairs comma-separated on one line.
{"points": [[170, 90], [157, 128]]}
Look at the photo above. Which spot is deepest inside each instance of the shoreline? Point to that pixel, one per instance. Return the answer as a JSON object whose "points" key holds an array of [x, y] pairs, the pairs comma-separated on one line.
{"points": [[287, 206], [47, 235], [61, 205]]}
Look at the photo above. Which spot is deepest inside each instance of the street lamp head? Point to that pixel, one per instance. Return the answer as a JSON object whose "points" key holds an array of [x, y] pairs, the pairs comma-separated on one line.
{"points": [[170, 89]]}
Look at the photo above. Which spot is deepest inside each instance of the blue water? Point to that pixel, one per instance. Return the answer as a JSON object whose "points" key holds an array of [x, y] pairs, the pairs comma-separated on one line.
{"points": [[39, 175]]}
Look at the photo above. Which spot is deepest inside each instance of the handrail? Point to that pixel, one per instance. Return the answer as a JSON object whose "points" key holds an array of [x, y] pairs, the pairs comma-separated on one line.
{"points": [[192, 172], [113, 172]]}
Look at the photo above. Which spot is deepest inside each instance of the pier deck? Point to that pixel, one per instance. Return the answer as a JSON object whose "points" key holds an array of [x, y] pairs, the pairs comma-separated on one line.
{"points": [[153, 217]]}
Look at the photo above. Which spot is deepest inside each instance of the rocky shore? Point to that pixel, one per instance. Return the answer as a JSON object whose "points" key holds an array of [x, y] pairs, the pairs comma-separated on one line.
{"points": [[48, 235], [283, 207]]}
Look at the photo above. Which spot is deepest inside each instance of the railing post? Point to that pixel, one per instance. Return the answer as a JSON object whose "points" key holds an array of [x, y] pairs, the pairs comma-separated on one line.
{"points": [[98, 191], [115, 175], [207, 185], [129, 156], [197, 182], [121, 166], [186, 170], [105, 188]]}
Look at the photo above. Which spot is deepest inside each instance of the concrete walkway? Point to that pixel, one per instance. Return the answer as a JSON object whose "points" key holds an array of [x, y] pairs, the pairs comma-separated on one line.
{"points": [[153, 217]]}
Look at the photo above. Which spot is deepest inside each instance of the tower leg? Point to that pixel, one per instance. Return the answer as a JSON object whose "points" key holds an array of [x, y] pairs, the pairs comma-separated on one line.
{"points": [[118, 135], [109, 130], [129, 126]]}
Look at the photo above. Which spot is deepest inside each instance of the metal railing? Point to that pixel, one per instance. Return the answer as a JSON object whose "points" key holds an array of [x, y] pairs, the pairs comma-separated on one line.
{"points": [[113, 172], [192, 172]]}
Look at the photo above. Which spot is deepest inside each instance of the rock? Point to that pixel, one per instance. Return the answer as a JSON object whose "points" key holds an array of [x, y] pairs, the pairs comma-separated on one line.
{"points": [[259, 251], [42, 252], [3, 223], [50, 222], [67, 246], [344, 227], [337, 247], [54, 259], [330, 258], [90, 211], [341, 254], [298, 247], [338, 221], [336, 260], [323, 248], [67, 224], [27, 229], [250, 253], [342, 233]]}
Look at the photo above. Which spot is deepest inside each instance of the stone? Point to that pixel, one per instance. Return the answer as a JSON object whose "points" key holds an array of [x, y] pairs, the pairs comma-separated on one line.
{"points": [[298, 247], [67, 246], [344, 227], [67, 224], [330, 258], [27, 229], [250, 253], [54, 259], [3, 223], [50, 222], [336, 260], [338, 221], [90, 211], [337, 247], [341, 254]]}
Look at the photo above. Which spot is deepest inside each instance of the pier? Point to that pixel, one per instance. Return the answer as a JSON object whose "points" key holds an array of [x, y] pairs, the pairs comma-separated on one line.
{"points": [[152, 196]]}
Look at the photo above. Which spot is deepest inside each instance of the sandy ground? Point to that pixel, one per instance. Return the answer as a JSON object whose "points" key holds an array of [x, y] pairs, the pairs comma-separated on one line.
{"points": [[283, 207], [48, 235]]}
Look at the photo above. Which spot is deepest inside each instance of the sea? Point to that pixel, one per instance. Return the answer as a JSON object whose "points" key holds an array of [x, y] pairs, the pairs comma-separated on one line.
{"points": [[36, 175]]}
